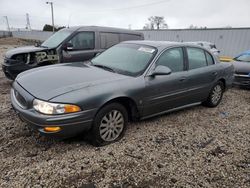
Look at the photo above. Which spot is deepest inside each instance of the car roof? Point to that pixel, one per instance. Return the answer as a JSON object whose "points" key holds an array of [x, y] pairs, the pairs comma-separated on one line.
{"points": [[200, 42], [104, 29], [161, 44]]}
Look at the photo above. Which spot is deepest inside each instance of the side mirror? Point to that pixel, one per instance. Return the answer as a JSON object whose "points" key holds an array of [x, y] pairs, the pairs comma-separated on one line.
{"points": [[67, 47], [161, 70]]}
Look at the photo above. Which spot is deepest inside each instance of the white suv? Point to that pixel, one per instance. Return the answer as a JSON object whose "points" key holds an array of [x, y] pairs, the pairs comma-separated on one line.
{"points": [[208, 45]]}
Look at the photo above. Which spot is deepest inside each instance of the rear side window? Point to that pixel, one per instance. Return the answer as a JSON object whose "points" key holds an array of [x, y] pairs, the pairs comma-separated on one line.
{"points": [[173, 59], [210, 60], [109, 39], [196, 58], [83, 41]]}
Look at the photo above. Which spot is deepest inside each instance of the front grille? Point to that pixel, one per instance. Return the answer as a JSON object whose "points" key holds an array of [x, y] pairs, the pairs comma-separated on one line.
{"points": [[20, 99]]}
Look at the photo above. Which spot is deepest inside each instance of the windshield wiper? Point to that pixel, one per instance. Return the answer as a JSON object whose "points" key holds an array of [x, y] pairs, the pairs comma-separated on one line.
{"points": [[104, 67]]}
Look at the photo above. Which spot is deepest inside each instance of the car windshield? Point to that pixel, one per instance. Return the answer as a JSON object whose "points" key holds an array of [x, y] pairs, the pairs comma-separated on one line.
{"points": [[244, 57], [128, 59], [56, 39]]}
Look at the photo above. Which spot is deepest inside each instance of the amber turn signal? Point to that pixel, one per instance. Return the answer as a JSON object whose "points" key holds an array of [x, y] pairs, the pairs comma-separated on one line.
{"points": [[52, 129], [71, 108]]}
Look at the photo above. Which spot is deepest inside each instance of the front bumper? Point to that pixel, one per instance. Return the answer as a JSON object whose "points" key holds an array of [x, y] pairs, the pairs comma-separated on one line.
{"points": [[242, 80], [12, 68], [70, 124]]}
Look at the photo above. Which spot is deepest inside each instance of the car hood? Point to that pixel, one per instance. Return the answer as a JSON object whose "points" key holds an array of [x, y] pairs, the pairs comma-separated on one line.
{"points": [[48, 82], [241, 67], [21, 50]]}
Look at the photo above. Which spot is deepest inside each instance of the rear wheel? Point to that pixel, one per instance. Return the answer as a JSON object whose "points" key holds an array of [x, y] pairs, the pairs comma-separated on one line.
{"points": [[215, 95], [109, 124]]}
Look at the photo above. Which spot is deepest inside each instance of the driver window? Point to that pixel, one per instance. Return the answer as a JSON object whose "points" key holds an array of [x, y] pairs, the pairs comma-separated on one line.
{"points": [[83, 41], [173, 59]]}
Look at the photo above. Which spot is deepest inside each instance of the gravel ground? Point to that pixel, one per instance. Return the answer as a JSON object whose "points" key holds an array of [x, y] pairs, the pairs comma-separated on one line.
{"points": [[196, 147]]}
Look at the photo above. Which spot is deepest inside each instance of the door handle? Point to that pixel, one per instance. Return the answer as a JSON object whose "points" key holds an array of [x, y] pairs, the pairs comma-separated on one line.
{"points": [[182, 79], [214, 73]]}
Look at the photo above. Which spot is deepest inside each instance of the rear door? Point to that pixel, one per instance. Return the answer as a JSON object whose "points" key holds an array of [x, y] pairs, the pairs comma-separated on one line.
{"points": [[164, 92], [202, 73], [83, 47]]}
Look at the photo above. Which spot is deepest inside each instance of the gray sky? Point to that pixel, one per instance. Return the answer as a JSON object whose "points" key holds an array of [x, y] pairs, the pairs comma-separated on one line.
{"points": [[122, 13]]}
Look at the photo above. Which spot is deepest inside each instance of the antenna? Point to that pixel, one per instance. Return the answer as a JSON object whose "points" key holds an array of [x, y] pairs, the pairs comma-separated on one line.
{"points": [[28, 22], [7, 22]]}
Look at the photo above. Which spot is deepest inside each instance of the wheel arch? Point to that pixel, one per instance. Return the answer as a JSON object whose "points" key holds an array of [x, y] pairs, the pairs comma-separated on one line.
{"points": [[128, 103], [224, 83]]}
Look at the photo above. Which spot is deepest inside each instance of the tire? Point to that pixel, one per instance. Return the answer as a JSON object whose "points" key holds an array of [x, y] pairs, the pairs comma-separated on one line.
{"points": [[109, 124], [215, 95]]}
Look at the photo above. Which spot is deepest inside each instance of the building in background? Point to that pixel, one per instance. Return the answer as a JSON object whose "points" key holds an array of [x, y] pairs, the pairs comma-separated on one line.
{"points": [[230, 41]]}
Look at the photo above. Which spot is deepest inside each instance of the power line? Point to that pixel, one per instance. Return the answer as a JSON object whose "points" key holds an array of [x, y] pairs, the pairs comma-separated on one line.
{"points": [[93, 11], [125, 8], [138, 6]]}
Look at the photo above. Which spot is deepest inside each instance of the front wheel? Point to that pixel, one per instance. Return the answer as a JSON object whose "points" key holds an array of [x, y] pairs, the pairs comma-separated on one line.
{"points": [[215, 95], [109, 124]]}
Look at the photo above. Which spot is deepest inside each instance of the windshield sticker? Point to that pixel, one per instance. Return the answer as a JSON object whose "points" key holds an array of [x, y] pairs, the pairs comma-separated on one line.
{"points": [[148, 50]]}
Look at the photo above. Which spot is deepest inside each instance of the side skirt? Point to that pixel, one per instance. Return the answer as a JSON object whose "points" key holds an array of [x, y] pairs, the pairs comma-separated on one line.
{"points": [[171, 110]]}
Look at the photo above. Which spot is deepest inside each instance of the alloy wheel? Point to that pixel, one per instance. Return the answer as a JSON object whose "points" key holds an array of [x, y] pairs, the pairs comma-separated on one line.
{"points": [[111, 125], [216, 94]]}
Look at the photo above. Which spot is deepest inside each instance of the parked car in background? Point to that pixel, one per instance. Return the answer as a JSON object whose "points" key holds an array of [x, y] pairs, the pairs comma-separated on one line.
{"points": [[208, 45], [67, 45], [241, 65], [131, 80]]}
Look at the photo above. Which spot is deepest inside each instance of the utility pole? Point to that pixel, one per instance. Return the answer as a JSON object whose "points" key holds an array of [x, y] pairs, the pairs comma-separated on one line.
{"points": [[7, 22], [52, 12], [28, 22]]}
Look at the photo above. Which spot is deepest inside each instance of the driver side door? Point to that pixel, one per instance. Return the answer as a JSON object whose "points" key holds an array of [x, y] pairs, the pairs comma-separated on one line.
{"points": [[82, 46], [164, 92]]}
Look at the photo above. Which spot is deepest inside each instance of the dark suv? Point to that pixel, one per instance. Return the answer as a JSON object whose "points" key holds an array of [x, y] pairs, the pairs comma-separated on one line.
{"points": [[67, 45]]}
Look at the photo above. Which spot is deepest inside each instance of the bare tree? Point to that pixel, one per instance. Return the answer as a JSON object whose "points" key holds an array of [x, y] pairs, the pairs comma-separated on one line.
{"points": [[193, 26], [156, 22]]}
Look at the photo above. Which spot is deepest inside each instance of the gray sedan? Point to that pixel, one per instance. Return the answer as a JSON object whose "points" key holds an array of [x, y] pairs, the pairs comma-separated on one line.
{"points": [[129, 81]]}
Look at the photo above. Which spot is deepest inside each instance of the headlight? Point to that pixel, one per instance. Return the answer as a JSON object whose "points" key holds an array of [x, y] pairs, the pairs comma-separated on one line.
{"points": [[20, 57], [54, 108]]}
